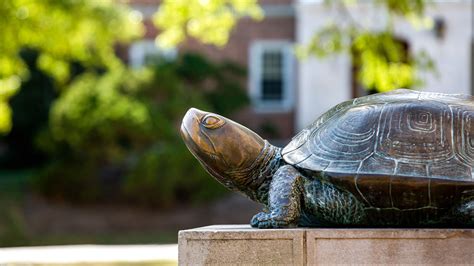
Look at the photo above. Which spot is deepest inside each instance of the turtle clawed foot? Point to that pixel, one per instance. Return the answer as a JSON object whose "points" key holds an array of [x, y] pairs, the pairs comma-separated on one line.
{"points": [[258, 218], [270, 220]]}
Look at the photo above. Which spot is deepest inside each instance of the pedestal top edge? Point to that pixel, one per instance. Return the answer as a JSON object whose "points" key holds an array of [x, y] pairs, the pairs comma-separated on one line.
{"points": [[337, 232]]}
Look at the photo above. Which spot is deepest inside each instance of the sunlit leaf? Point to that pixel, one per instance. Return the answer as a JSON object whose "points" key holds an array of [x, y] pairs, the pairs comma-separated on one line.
{"points": [[209, 21], [5, 116]]}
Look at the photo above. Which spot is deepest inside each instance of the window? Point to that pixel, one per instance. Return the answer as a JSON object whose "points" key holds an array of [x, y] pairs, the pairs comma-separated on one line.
{"points": [[146, 52], [271, 76]]}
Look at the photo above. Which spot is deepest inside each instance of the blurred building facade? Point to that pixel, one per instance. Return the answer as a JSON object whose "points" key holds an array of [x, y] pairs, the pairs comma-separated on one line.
{"points": [[450, 43], [288, 94]]}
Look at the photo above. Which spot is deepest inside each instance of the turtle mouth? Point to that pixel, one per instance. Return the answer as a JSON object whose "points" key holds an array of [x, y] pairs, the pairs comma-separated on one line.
{"points": [[188, 140], [206, 159], [189, 119], [185, 135], [194, 148]]}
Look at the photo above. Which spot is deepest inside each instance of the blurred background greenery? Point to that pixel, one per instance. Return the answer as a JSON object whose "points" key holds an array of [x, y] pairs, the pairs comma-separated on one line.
{"points": [[82, 127], [87, 127]]}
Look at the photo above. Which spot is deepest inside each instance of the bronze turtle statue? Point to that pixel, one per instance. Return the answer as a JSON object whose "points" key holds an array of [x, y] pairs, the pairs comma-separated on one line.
{"points": [[398, 159]]}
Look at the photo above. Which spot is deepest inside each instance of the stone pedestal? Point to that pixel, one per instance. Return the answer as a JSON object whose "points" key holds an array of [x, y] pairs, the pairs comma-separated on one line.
{"points": [[240, 244]]}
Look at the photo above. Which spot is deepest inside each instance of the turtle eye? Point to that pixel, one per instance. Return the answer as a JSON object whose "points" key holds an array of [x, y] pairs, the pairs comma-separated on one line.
{"points": [[212, 122]]}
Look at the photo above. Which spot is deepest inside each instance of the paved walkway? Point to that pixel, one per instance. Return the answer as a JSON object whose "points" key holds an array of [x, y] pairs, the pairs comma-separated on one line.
{"points": [[89, 253]]}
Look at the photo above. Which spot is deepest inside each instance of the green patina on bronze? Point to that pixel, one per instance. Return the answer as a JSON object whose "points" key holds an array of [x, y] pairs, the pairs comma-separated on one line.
{"points": [[398, 159]]}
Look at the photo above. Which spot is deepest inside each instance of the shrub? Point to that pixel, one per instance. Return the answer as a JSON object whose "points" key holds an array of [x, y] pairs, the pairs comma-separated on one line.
{"points": [[30, 108], [115, 136]]}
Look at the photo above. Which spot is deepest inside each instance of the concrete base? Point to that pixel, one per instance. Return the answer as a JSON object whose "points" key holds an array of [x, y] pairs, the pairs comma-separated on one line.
{"points": [[241, 244]]}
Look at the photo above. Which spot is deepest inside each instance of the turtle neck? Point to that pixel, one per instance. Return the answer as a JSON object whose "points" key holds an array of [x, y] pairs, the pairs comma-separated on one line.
{"points": [[254, 181]]}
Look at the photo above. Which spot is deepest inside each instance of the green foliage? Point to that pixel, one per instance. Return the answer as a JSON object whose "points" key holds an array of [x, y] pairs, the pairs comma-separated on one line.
{"points": [[30, 115], [61, 31], [116, 136], [108, 103], [382, 63], [404, 7], [86, 31], [209, 21], [382, 60]]}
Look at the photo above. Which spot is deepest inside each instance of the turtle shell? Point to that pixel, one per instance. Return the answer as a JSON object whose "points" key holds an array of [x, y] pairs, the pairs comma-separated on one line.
{"points": [[400, 133]]}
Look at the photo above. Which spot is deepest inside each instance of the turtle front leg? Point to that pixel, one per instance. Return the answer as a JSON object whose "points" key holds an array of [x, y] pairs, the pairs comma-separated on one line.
{"points": [[284, 200]]}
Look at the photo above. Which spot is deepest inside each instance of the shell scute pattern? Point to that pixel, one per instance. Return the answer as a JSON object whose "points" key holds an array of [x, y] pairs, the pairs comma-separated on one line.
{"points": [[464, 141], [378, 164], [400, 133], [416, 132], [301, 138], [453, 168]]}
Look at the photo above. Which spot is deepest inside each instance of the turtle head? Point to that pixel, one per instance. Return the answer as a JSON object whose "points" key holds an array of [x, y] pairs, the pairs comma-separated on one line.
{"points": [[221, 145]]}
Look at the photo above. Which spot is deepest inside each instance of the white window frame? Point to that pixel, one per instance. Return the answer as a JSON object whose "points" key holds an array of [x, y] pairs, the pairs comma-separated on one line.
{"points": [[257, 49], [139, 50]]}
